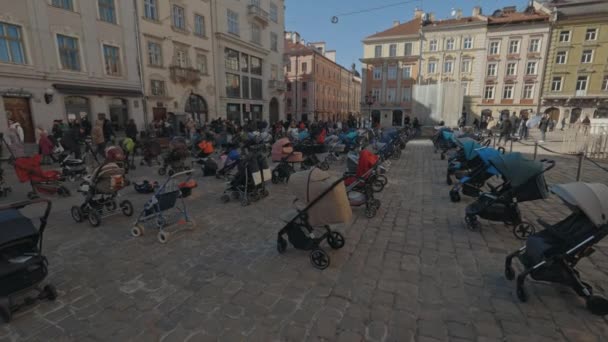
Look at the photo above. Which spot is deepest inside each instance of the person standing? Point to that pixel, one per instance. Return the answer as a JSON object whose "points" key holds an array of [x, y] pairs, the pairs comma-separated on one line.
{"points": [[563, 122], [586, 124], [505, 131], [15, 138], [131, 130], [85, 124], [543, 126], [98, 137], [108, 131], [416, 126]]}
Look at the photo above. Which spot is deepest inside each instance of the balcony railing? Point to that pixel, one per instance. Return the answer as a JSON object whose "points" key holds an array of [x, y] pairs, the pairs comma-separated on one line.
{"points": [[580, 93], [184, 74], [258, 14], [277, 85]]}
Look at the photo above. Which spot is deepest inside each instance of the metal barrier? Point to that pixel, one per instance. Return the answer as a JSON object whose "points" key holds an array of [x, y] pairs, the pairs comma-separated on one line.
{"points": [[591, 140]]}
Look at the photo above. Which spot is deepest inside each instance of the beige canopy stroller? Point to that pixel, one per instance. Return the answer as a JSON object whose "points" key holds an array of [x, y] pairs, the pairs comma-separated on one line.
{"points": [[323, 201]]}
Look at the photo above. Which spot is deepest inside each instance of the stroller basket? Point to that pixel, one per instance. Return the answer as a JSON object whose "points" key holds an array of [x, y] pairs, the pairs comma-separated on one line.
{"points": [[163, 202]]}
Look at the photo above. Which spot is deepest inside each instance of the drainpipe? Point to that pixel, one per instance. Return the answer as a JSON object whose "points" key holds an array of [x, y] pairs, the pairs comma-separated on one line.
{"points": [[216, 96], [140, 61]]}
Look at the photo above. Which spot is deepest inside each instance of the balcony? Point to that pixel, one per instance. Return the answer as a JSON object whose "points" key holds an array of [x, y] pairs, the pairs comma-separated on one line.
{"points": [[258, 14], [580, 93], [184, 75], [277, 85]]}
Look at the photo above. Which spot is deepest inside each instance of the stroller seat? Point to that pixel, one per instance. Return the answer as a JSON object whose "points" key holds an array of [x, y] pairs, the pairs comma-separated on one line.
{"points": [[15, 227]]}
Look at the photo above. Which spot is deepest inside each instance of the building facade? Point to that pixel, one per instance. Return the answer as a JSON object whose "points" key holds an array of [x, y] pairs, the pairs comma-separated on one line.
{"points": [[576, 82], [516, 46], [248, 55], [68, 59], [453, 51], [317, 87], [177, 60], [391, 61]]}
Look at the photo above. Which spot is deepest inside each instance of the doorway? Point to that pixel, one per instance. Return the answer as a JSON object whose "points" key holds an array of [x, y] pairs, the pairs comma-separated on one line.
{"points": [[119, 113], [274, 110], [18, 109], [197, 106], [576, 115], [397, 118], [376, 116], [78, 107], [553, 113]]}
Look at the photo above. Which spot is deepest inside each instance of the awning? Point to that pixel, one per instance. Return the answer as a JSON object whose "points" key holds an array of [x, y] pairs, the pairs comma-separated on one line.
{"points": [[74, 89]]}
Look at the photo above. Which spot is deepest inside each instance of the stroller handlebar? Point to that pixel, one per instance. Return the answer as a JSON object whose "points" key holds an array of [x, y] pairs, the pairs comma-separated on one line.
{"points": [[550, 164], [23, 204]]}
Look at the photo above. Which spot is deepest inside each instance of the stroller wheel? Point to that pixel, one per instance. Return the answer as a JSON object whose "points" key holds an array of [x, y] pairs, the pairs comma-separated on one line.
{"points": [[171, 172], [523, 230], [225, 198], [370, 212], [137, 230], [265, 193], [382, 179], [275, 177], [377, 186], [597, 305], [454, 196], [76, 214], [71, 178], [472, 223], [163, 236], [111, 205], [162, 171], [254, 196], [281, 245], [522, 295], [245, 201], [376, 204], [62, 191], [335, 240], [49, 292], [509, 273], [319, 259], [94, 218], [127, 208]]}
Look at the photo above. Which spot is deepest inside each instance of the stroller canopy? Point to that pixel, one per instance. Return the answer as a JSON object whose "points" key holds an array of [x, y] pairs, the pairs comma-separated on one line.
{"points": [[591, 198], [469, 146], [517, 169], [367, 160], [277, 147]]}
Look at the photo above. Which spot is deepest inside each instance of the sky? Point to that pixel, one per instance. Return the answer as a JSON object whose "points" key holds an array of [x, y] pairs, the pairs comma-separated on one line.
{"points": [[312, 19]]}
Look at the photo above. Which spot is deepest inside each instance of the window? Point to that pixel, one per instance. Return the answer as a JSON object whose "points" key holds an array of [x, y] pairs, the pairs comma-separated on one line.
{"points": [[181, 58], [433, 45], [448, 67], [199, 25], [233, 85], [155, 54], [151, 9], [561, 57], [11, 44], [233, 22], [408, 49], [304, 86], [245, 63], [69, 53], [157, 87], [304, 67], [378, 51], [489, 93], [392, 72], [513, 47], [465, 88], [274, 12], [449, 44], [406, 94], [564, 36], [376, 94], [107, 11], [494, 48], [556, 84], [201, 63], [111, 57], [467, 43], [392, 50], [591, 34], [231, 59], [256, 34], [378, 73], [507, 92], [274, 42], [605, 83], [391, 95], [528, 91], [581, 83], [534, 45], [432, 67], [531, 68], [492, 70], [179, 19], [256, 89], [466, 65], [407, 72], [65, 4], [256, 65], [587, 56], [511, 69]]}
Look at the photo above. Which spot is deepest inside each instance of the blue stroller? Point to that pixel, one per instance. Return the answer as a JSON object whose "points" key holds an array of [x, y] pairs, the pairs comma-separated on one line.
{"points": [[479, 170], [443, 141], [170, 195]]}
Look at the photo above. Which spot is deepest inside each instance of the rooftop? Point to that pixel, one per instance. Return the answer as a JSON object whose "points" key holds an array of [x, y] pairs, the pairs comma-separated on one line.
{"points": [[408, 28], [509, 15]]}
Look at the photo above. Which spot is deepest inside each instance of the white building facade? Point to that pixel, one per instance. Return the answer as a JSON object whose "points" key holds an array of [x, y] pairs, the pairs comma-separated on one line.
{"points": [[68, 59]]}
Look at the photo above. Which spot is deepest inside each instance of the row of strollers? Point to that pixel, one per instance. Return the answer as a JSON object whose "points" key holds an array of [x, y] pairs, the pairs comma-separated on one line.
{"points": [[498, 182]]}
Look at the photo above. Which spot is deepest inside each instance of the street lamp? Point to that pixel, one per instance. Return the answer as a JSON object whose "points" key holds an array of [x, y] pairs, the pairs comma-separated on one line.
{"points": [[370, 99]]}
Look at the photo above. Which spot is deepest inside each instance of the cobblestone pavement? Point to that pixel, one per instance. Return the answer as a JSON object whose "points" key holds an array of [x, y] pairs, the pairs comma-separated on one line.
{"points": [[413, 273]]}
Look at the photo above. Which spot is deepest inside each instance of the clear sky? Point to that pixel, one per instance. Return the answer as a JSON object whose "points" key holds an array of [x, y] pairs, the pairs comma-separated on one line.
{"points": [[312, 19]]}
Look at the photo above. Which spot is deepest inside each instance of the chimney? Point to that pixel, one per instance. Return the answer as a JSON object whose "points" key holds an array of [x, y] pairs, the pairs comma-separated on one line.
{"points": [[418, 13], [396, 23], [477, 11]]}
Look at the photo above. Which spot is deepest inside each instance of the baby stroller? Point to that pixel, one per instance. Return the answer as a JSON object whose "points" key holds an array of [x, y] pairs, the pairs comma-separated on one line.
{"points": [[479, 170], [283, 153], [552, 254], [101, 192], [443, 140], [313, 154], [4, 189], [523, 181], [174, 161], [324, 203], [464, 159], [246, 182], [44, 181], [151, 150], [22, 265], [360, 187], [169, 197], [379, 180], [229, 161], [204, 150], [72, 168]]}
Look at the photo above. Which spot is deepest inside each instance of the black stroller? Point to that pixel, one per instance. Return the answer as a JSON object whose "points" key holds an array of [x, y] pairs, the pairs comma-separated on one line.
{"points": [[246, 183], [174, 161], [552, 254], [22, 265], [325, 202], [523, 181]]}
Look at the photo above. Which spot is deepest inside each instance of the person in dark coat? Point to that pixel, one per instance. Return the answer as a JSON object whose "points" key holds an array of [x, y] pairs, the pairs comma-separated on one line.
{"points": [[71, 140], [131, 130], [505, 131]]}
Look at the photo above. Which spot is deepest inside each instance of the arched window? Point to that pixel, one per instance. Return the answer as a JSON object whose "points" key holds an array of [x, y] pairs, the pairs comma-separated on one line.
{"points": [[77, 107]]}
